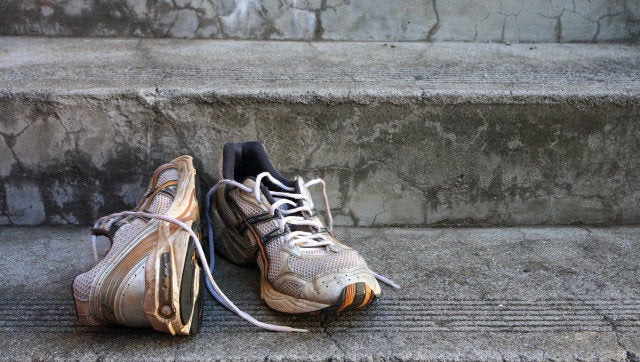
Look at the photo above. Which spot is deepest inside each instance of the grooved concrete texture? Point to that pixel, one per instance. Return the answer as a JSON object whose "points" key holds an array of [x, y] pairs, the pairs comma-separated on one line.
{"points": [[414, 134], [468, 294], [355, 20]]}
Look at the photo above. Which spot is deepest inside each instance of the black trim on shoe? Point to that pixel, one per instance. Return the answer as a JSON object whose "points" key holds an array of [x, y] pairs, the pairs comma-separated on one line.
{"points": [[246, 222], [241, 227], [271, 235], [244, 160]]}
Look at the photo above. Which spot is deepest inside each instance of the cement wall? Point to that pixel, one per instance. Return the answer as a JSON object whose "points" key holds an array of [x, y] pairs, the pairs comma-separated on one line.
{"points": [[358, 20], [69, 159]]}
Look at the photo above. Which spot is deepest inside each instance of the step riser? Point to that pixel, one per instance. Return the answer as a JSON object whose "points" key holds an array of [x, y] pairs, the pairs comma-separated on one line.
{"points": [[71, 158], [377, 20]]}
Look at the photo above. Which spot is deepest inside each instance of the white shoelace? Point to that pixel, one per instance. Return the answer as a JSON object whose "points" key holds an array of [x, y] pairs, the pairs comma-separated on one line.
{"points": [[211, 284], [300, 238]]}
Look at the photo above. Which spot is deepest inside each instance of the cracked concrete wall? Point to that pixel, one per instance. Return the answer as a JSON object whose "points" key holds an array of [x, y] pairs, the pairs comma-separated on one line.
{"points": [[69, 159], [358, 20]]}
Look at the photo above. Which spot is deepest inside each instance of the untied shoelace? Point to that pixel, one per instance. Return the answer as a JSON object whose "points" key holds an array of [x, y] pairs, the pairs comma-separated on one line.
{"points": [[301, 238], [211, 284]]}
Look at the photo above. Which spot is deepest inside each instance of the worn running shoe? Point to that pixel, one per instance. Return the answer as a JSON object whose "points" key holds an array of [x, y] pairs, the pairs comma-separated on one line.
{"points": [[150, 277], [260, 217]]}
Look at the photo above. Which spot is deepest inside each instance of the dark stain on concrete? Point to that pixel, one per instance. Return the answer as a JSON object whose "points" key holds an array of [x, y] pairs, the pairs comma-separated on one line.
{"points": [[472, 164]]}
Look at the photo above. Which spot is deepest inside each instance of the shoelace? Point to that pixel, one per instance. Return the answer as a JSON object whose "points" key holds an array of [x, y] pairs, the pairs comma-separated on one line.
{"points": [[300, 238], [211, 284]]}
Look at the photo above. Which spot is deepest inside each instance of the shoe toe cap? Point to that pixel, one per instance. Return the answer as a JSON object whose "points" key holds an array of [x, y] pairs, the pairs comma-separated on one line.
{"points": [[330, 288]]}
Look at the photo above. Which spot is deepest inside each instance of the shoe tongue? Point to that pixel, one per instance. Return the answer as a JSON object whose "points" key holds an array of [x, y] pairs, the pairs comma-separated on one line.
{"points": [[301, 189], [250, 182]]}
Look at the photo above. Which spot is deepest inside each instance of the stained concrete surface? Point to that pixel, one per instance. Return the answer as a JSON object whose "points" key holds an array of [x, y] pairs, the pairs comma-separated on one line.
{"points": [[414, 134], [497, 293], [359, 20]]}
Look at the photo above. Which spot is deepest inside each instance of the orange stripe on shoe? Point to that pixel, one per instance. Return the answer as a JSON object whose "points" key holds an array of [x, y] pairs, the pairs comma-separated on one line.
{"points": [[149, 199], [349, 294], [154, 180], [189, 207], [367, 296], [160, 170], [265, 262]]}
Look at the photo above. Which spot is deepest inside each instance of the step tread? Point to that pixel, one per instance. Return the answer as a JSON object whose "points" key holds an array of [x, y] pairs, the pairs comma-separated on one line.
{"points": [[555, 292], [307, 70]]}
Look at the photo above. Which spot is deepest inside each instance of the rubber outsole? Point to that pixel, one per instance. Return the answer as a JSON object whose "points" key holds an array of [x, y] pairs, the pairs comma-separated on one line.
{"points": [[353, 296], [187, 290]]}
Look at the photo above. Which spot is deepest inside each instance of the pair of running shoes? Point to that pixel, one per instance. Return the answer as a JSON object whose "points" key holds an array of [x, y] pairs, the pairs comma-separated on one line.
{"points": [[152, 275]]}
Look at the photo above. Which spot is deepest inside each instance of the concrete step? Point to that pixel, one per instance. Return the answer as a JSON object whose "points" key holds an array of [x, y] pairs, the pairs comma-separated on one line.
{"points": [[377, 20], [404, 134], [498, 293]]}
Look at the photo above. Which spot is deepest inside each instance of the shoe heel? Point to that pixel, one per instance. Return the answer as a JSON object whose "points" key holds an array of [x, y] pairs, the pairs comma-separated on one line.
{"points": [[173, 300], [231, 245]]}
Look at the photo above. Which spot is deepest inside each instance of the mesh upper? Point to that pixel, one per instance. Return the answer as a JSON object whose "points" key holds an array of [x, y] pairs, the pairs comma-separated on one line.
{"points": [[227, 212], [330, 262], [82, 283], [166, 175], [249, 210], [312, 262], [161, 202], [292, 288], [129, 228]]}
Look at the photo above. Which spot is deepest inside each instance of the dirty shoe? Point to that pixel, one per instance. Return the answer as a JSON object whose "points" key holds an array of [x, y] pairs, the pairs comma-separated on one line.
{"points": [[257, 216], [150, 277]]}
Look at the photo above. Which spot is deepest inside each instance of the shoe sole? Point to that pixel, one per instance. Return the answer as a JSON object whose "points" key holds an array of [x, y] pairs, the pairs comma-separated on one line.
{"points": [[237, 249], [353, 296]]}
